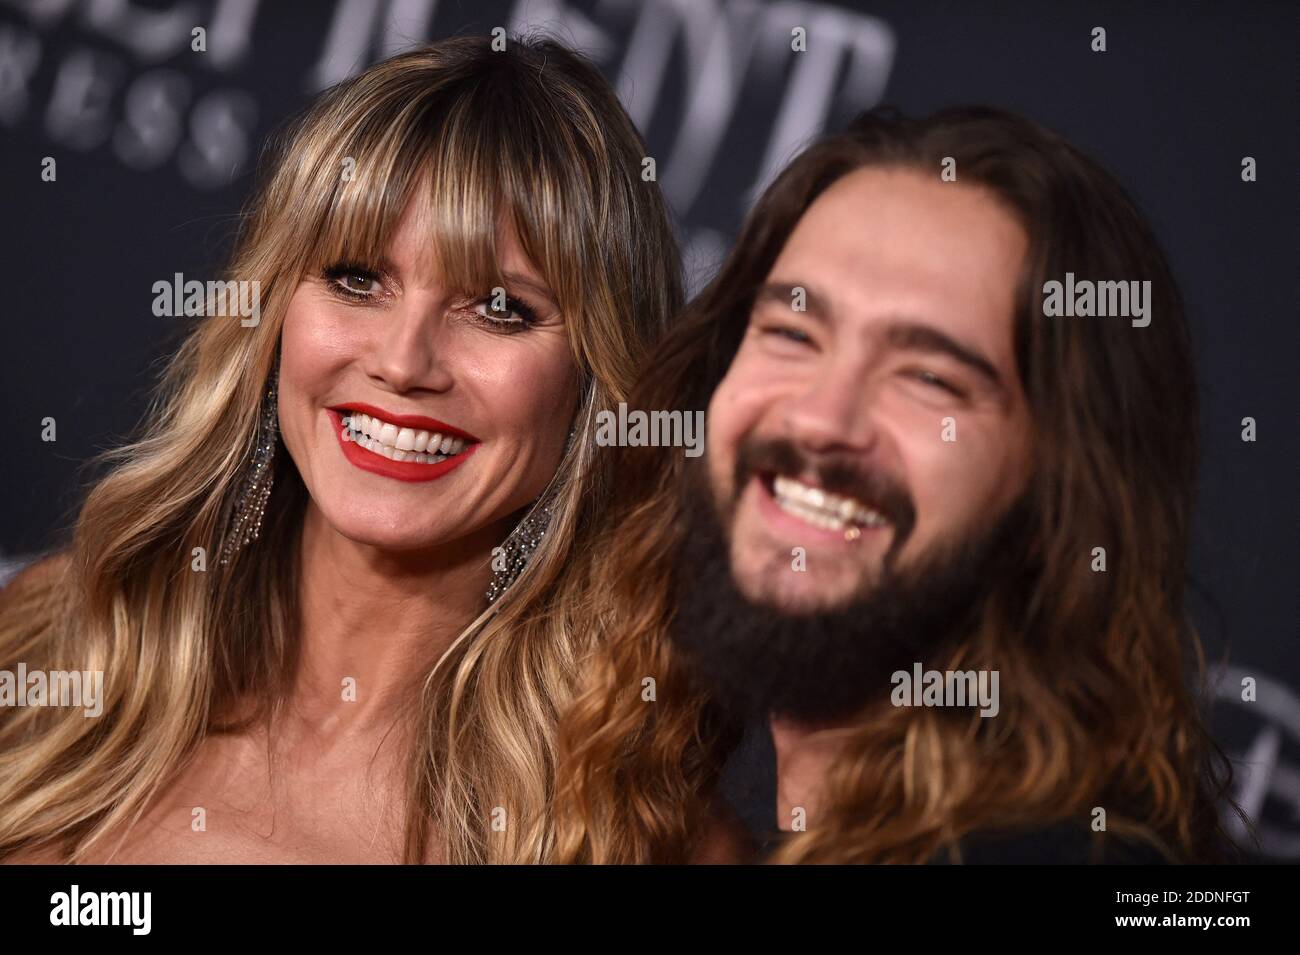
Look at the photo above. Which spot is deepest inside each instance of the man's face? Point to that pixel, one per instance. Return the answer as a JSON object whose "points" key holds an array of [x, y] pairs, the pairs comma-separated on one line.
{"points": [[886, 419]]}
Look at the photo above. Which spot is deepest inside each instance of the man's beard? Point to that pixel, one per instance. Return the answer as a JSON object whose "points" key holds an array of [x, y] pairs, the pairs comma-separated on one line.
{"points": [[817, 665]]}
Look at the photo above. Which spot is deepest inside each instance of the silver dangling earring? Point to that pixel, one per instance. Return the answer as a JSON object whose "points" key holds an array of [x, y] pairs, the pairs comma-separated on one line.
{"points": [[244, 522], [522, 542], [517, 548]]}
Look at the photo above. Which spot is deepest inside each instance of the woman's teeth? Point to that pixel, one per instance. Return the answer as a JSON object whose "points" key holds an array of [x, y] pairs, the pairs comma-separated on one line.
{"points": [[400, 444], [821, 508]]}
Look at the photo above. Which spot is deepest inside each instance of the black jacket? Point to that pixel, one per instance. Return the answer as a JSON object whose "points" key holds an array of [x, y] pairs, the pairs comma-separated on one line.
{"points": [[749, 786]]}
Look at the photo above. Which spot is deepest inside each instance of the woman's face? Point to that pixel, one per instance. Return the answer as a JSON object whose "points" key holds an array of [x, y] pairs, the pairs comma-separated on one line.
{"points": [[466, 406]]}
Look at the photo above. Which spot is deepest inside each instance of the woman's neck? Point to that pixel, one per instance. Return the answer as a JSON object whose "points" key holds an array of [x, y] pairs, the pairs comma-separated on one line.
{"points": [[374, 623]]}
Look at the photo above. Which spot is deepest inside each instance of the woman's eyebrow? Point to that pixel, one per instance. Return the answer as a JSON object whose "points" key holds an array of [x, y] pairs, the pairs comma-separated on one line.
{"points": [[535, 285], [382, 265]]}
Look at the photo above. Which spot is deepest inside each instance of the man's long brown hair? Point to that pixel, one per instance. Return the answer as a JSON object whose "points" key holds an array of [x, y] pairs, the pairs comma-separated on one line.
{"points": [[1100, 671]]}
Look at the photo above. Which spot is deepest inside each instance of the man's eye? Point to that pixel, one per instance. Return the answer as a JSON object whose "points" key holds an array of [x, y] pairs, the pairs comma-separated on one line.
{"points": [[788, 333], [933, 380]]}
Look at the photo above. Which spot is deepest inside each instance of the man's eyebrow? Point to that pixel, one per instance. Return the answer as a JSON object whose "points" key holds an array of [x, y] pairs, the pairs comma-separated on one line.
{"points": [[783, 293], [908, 334], [916, 336]]}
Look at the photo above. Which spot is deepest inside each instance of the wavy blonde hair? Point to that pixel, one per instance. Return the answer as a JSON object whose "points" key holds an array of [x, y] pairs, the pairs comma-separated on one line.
{"points": [[534, 132], [1099, 671]]}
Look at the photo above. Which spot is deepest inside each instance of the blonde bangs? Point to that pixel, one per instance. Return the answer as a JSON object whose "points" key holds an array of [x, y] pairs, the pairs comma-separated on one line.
{"points": [[465, 170], [531, 137]]}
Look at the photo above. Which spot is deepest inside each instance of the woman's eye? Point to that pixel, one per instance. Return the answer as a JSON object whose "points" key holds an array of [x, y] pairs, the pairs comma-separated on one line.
{"points": [[510, 313], [358, 283], [353, 282]]}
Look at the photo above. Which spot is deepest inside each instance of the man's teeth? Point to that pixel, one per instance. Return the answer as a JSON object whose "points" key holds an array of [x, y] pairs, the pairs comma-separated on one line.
{"points": [[821, 508], [400, 444]]}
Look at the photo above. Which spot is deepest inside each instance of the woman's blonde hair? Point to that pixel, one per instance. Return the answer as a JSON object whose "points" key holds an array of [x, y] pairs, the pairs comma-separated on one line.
{"points": [[532, 133]]}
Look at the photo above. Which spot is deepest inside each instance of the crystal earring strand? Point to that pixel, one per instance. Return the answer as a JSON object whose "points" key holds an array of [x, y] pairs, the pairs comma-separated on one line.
{"points": [[249, 505], [517, 548], [522, 542]]}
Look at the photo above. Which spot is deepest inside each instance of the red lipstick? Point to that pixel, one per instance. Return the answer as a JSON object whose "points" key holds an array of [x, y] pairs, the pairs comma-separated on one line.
{"points": [[417, 421], [411, 471]]}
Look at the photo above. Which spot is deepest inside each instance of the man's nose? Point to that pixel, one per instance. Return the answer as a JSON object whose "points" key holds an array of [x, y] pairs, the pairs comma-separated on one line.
{"points": [[834, 412]]}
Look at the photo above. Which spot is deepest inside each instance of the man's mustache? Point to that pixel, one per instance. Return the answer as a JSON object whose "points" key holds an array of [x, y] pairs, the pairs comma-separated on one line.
{"points": [[836, 473]]}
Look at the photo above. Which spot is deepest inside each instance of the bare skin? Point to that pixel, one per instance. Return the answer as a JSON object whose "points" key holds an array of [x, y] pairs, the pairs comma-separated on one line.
{"points": [[315, 808], [392, 572], [337, 789], [914, 282], [804, 755]]}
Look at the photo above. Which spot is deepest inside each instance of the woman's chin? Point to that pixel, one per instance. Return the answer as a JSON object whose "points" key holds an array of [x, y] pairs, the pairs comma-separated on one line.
{"points": [[398, 534]]}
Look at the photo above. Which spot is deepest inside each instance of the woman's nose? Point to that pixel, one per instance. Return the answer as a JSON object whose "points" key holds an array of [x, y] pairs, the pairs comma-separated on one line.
{"points": [[412, 351]]}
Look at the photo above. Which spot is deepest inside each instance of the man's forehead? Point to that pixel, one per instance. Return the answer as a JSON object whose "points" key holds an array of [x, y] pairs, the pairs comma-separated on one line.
{"points": [[882, 243]]}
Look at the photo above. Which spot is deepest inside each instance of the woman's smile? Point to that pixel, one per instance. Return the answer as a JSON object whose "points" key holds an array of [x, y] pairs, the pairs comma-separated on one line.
{"points": [[403, 447]]}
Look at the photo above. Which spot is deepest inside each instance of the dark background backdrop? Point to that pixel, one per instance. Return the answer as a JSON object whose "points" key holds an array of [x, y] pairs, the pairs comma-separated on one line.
{"points": [[155, 145]]}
